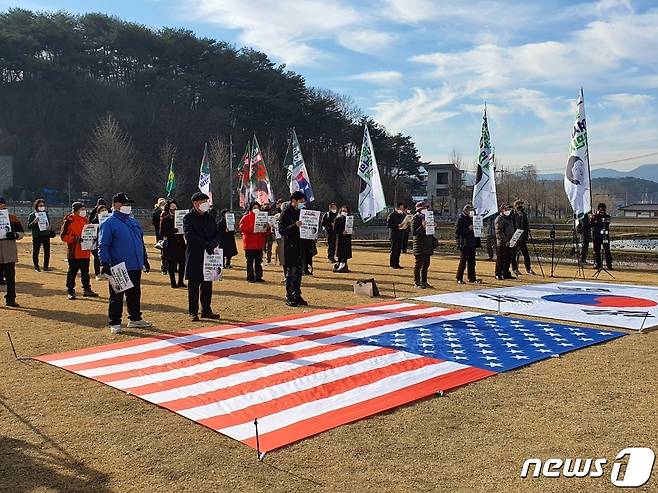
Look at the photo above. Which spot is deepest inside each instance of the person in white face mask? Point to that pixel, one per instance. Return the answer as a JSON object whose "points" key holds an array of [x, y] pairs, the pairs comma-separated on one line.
{"points": [[202, 235], [121, 240], [78, 258], [504, 232], [467, 243], [343, 241], [41, 234]]}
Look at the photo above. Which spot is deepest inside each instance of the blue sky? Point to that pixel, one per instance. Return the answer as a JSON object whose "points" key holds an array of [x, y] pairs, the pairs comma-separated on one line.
{"points": [[426, 67]]}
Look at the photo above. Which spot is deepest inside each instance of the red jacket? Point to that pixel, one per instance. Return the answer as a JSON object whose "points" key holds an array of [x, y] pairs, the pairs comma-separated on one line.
{"points": [[71, 233], [251, 240]]}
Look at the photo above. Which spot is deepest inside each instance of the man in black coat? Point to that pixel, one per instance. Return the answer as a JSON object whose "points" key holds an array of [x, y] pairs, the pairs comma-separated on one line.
{"points": [[467, 243], [293, 248], [584, 229], [202, 235], [393, 223], [328, 224], [504, 232], [520, 220], [601, 237]]}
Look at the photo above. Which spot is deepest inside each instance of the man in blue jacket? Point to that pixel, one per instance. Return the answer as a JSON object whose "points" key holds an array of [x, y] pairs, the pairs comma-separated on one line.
{"points": [[121, 239]]}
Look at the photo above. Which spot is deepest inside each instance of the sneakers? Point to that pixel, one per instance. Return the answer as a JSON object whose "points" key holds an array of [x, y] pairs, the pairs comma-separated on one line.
{"points": [[531, 272], [37, 268], [71, 296], [88, 293], [139, 324], [12, 303], [419, 286], [301, 301], [115, 329], [517, 272], [291, 302], [47, 269], [428, 286], [99, 277], [194, 317], [500, 278], [476, 281], [460, 281]]}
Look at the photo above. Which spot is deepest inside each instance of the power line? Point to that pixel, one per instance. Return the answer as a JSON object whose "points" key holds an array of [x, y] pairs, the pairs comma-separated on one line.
{"points": [[605, 162]]}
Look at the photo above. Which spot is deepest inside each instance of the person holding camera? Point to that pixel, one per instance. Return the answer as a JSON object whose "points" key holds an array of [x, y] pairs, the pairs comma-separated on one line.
{"points": [[601, 237], [9, 255]]}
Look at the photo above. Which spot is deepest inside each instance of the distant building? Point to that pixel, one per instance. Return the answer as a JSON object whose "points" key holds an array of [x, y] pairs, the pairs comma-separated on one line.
{"points": [[6, 173], [639, 210], [445, 187]]}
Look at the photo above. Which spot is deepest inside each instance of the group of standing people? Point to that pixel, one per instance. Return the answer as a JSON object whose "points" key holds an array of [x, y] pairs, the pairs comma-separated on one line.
{"points": [[500, 232], [595, 228]]}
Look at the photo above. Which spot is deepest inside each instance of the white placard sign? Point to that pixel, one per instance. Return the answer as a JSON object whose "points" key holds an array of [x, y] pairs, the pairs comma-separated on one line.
{"points": [[261, 221], [614, 305], [349, 225], [120, 280], [5, 224], [430, 227], [230, 221], [42, 221], [515, 238], [89, 236], [213, 265], [478, 226], [179, 214], [310, 224], [277, 233], [102, 217]]}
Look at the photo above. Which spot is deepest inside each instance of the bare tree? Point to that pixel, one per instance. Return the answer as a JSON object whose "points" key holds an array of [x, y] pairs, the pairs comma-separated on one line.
{"points": [[109, 163], [220, 164]]}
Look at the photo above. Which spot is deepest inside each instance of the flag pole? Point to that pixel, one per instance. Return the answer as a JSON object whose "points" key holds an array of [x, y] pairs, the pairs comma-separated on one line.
{"points": [[230, 173], [589, 161]]}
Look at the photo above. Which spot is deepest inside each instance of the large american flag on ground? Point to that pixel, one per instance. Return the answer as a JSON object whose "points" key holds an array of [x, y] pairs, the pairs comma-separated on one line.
{"points": [[298, 375]]}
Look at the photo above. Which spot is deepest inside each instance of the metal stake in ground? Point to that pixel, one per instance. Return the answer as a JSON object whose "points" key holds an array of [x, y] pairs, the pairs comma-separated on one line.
{"points": [[261, 455], [12, 345]]}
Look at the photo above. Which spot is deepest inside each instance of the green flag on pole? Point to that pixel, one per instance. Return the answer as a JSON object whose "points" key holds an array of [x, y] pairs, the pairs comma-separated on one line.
{"points": [[171, 180]]}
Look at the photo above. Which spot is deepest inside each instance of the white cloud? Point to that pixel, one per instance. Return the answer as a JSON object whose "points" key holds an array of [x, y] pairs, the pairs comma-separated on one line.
{"points": [[286, 30], [369, 42], [383, 78], [424, 107], [625, 100], [603, 48]]}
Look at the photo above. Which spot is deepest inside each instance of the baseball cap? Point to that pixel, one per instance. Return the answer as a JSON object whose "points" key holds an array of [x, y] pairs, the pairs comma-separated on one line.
{"points": [[122, 198]]}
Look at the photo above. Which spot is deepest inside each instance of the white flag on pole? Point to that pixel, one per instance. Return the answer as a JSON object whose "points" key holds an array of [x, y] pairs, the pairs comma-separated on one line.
{"points": [[371, 199], [577, 174], [204, 175], [485, 201]]}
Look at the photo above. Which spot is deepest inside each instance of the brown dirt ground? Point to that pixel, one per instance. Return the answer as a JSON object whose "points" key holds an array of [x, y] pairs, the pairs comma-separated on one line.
{"points": [[61, 432]]}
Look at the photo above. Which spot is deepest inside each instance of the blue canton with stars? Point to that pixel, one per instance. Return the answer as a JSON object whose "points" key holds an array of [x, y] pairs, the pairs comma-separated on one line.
{"points": [[491, 342]]}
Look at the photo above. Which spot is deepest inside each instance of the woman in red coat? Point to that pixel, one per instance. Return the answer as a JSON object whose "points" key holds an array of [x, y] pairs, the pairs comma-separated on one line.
{"points": [[253, 244]]}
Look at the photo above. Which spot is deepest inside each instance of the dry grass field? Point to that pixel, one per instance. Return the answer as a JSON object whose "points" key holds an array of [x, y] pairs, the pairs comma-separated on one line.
{"points": [[61, 432]]}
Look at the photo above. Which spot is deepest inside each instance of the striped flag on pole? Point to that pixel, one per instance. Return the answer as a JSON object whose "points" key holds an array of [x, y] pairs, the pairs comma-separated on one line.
{"points": [[298, 375]]}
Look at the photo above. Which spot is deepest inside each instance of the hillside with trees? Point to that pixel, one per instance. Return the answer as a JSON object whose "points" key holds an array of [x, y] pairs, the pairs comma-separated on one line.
{"points": [[93, 103]]}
